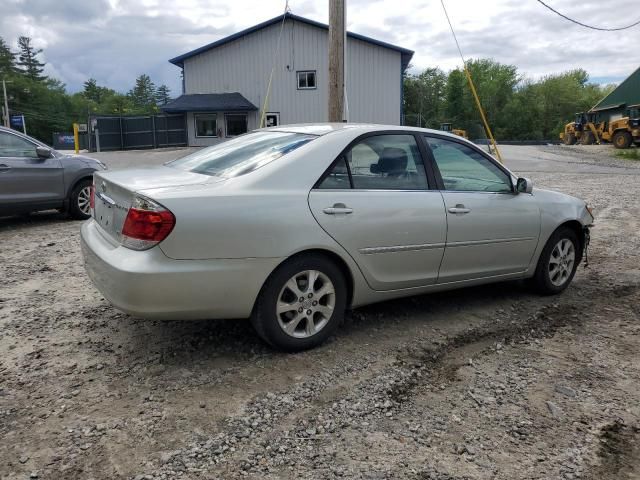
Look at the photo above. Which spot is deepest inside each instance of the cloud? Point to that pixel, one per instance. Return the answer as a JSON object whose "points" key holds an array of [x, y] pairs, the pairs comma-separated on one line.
{"points": [[116, 40]]}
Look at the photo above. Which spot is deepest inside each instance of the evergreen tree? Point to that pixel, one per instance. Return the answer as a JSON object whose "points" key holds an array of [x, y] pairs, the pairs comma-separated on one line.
{"points": [[163, 95], [28, 61], [91, 90], [143, 94], [7, 59]]}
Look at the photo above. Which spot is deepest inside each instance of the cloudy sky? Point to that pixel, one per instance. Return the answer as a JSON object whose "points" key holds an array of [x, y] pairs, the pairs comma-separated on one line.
{"points": [[116, 40]]}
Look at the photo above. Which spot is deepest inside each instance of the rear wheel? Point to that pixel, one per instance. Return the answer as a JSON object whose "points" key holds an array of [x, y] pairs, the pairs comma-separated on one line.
{"points": [[622, 139], [301, 303], [587, 138], [570, 139], [79, 200], [558, 262]]}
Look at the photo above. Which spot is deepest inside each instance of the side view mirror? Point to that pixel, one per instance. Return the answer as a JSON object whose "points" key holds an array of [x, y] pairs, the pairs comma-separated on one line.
{"points": [[43, 152], [524, 185]]}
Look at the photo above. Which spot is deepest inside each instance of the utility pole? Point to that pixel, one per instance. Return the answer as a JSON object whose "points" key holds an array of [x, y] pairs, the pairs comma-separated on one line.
{"points": [[337, 29], [6, 104]]}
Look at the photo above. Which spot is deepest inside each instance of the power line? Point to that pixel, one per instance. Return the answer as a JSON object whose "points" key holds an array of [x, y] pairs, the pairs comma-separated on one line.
{"points": [[588, 26]]}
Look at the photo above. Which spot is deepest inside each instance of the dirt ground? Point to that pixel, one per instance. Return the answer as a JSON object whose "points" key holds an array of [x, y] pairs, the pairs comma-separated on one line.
{"points": [[491, 382]]}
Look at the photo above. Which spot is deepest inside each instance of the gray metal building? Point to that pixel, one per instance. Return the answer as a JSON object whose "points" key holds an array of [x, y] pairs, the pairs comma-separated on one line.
{"points": [[225, 82]]}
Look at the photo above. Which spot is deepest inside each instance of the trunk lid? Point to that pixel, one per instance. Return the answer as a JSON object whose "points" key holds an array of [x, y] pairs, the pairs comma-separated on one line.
{"points": [[115, 190]]}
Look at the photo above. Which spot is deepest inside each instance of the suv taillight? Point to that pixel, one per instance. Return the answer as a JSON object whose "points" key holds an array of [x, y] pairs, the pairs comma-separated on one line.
{"points": [[146, 225]]}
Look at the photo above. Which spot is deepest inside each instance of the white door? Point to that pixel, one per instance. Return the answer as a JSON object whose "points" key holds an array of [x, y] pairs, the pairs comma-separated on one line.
{"points": [[376, 203], [492, 230]]}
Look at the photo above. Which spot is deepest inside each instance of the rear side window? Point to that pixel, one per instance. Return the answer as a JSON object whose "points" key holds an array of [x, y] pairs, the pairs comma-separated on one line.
{"points": [[243, 154], [380, 162], [464, 169], [14, 146]]}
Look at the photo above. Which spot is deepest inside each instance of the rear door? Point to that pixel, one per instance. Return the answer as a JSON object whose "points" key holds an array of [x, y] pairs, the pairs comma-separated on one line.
{"points": [[492, 230], [376, 202], [26, 179]]}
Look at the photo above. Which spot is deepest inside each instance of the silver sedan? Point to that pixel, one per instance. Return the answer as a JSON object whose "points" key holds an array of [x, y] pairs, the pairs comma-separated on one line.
{"points": [[292, 225]]}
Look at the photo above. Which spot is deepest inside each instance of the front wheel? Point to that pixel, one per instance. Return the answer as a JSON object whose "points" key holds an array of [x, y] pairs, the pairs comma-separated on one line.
{"points": [[570, 139], [622, 139], [558, 262], [587, 138], [301, 304], [80, 200]]}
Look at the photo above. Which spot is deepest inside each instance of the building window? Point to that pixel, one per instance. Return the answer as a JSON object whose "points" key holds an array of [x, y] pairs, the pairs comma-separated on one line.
{"points": [[272, 119], [236, 124], [206, 125], [307, 80]]}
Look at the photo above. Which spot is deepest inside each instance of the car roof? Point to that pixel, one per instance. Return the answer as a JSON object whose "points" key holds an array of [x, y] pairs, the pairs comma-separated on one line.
{"points": [[325, 128]]}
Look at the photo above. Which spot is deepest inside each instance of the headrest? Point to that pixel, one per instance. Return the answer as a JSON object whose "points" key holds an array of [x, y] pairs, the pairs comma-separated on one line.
{"points": [[392, 161]]}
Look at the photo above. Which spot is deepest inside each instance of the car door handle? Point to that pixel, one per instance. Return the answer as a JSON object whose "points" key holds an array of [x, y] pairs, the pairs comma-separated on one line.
{"points": [[4, 168], [459, 209], [338, 209]]}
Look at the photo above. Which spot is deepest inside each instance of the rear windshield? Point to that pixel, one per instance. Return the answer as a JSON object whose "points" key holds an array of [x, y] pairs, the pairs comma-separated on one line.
{"points": [[243, 154]]}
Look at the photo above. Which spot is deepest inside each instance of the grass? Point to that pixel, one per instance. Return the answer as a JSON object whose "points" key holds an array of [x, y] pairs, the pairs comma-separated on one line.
{"points": [[628, 154]]}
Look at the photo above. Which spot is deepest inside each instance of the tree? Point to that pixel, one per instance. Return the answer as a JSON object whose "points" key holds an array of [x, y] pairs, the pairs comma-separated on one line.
{"points": [[91, 90], [7, 59], [163, 95], [424, 96], [143, 94], [28, 61]]}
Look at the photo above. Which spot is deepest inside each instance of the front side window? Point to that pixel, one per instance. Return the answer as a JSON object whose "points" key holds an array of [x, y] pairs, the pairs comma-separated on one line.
{"points": [[307, 80], [14, 146], [206, 125], [464, 169], [243, 154], [381, 162], [236, 124]]}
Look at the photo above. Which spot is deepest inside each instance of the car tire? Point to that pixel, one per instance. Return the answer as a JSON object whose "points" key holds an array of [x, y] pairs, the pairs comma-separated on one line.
{"points": [[301, 304], [79, 200], [622, 139], [558, 262]]}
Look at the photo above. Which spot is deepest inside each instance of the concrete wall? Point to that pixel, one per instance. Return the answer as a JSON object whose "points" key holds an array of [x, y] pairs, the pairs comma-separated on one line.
{"points": [[244, 65]]}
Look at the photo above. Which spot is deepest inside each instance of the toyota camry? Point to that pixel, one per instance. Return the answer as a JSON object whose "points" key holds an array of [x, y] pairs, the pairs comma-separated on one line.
{"points": [[292, 225]]}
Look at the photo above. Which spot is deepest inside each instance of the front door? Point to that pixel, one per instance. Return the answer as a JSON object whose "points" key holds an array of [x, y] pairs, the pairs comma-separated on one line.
{"points": [[26, 179], [492, 230], [375, 202]]}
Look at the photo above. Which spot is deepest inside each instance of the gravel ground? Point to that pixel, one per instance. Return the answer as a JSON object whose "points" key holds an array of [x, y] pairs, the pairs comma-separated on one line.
{"points": [[488, 382]]}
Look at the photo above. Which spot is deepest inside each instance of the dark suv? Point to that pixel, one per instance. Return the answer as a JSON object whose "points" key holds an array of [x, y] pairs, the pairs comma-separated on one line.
{"points": [[36, 177]]}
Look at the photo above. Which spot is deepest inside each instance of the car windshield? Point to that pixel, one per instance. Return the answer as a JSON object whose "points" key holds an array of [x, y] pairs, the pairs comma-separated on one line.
{"points": [[243, 154]]}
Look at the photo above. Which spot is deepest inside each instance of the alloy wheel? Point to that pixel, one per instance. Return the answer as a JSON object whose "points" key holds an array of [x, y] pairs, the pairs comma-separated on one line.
{"points": [[84, 200], [305, 304], [561, 262]]}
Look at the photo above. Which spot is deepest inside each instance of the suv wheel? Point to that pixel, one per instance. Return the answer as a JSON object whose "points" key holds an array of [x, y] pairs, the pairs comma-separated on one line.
{"points": [[79, 200]]}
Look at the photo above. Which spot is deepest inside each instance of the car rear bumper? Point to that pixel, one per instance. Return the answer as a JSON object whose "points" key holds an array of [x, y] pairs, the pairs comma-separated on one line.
{"points": [[148, 284]]}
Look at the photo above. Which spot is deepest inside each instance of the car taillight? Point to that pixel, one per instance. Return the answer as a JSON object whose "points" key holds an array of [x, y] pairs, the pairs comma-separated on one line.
{"points": [[146, 225], [92, 197]]}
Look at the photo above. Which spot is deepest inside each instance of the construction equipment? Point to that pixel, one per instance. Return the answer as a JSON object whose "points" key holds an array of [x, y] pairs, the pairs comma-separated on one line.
{"points": [[446, 127], [573, 130], [589, 128]]}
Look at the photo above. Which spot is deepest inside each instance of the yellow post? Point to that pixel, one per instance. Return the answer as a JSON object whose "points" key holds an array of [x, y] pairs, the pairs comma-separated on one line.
{"points": [[484, 119], [76, 140]]}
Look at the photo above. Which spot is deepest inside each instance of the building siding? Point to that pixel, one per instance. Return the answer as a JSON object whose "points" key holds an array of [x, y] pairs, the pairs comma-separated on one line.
{"points": [[244, 65]]}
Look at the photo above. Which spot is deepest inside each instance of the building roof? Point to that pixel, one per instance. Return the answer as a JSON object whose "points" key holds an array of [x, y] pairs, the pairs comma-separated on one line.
{"points": [[209, 102], [628, 92], [406, 54]]}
